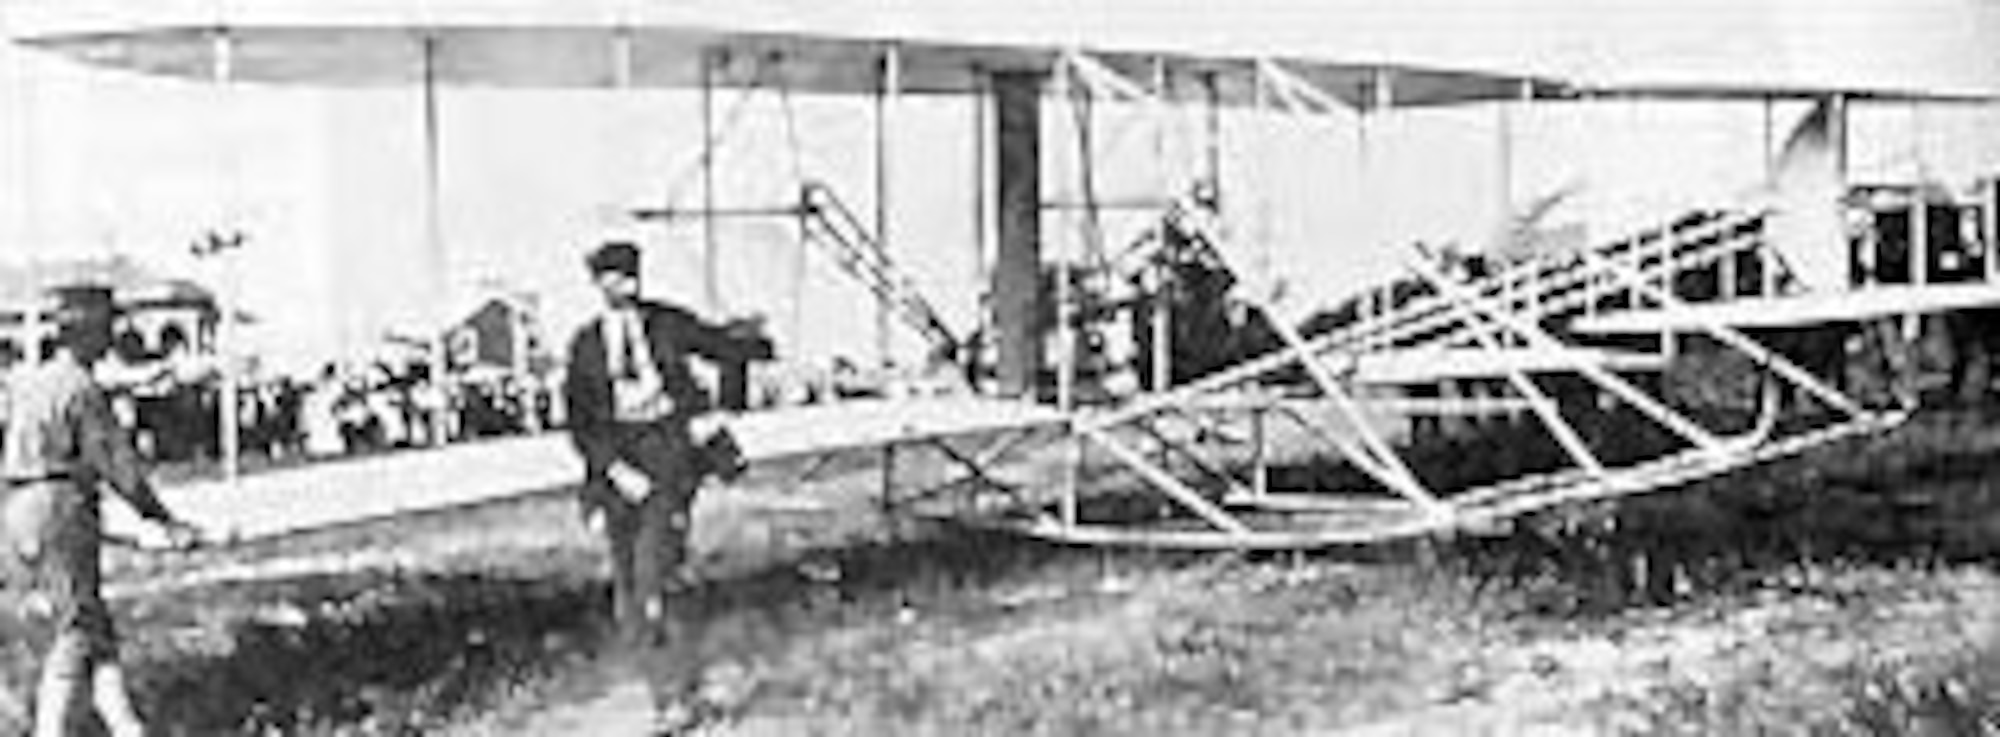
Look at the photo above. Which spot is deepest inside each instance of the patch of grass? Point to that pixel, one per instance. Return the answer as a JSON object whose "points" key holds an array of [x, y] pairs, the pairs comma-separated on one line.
{"points": [[374, 654], [1958, 697]]}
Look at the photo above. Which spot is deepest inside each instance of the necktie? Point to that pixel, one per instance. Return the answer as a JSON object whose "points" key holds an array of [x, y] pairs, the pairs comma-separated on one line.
{"points": [[630, 360]]}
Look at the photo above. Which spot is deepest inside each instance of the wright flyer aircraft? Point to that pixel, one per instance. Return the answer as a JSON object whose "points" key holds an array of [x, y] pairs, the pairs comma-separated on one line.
{"points": [[1714, 338]]}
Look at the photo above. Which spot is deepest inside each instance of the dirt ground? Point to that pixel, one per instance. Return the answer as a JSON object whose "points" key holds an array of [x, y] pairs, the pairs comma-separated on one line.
{"points": [[1848, 592]]}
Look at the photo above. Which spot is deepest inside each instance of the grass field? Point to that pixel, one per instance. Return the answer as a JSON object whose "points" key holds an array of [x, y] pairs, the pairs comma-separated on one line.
{"points": [[1848, 592]]}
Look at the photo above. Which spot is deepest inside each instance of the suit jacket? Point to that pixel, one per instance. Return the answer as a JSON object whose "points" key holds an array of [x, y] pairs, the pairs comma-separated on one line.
{"points": [[672, 335]]}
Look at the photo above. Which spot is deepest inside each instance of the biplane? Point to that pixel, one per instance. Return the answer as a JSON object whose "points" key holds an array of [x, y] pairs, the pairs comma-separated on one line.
{"points": [[1453, 392]]}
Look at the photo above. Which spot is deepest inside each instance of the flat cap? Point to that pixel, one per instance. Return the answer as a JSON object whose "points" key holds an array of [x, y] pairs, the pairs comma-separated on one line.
{"points": [[617, 256]]}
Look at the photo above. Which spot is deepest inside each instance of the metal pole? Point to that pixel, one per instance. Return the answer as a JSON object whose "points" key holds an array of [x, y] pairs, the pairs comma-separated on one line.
{"points": [[434, 241], [222, 73]]}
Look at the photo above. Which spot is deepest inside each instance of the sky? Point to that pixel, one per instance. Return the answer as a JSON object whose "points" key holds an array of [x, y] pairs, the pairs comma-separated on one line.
{"points": [[330, 185]]}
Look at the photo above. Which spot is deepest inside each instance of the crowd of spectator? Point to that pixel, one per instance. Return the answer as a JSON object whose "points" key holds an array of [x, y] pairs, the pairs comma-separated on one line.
{"points": [[173, 408], [344, 411]]}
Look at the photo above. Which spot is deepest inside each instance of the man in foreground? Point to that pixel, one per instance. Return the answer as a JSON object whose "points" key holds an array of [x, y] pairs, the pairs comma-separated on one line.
{"points": [[631, 395], [62, 443]]}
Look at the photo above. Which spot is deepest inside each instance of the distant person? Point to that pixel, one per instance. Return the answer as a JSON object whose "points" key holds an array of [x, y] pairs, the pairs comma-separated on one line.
{"points": [[433, 408], [544, 408], [359, 428], [10, 360], [319, 415], [62, 442], [630, 395]]}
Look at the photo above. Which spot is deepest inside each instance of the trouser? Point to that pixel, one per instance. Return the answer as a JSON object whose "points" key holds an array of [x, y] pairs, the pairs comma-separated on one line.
{"points": [[53, 531], [649, 553], [1972, 338], [1894, 362]]}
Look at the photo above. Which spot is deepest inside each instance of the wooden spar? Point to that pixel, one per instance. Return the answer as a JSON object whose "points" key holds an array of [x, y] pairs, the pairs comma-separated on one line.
{"points": [[888, 95], [1426, 365], [1813, 308], [1260, 173], [1066, 90], [1163, 282], [982, 272], [1990, 212], [223, 73], [1767, 260], [1212, 142], [710, 293], [1173, 487], [1770, 143], [435, 244], [676, 213]]}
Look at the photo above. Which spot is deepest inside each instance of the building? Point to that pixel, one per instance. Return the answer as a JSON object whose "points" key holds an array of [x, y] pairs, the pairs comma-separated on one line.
{"points": [[499, 334], [164, 316]]}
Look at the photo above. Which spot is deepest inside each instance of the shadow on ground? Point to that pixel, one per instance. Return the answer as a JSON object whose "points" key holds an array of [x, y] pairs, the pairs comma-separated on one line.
{"points": [[393, 653], [385, 654]]}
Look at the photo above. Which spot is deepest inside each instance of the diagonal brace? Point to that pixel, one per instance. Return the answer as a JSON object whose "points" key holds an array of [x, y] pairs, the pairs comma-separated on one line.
{"points": [[1173, 487]]}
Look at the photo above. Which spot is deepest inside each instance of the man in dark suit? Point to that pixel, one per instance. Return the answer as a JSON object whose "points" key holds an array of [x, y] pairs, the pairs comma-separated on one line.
{"points": [[630, 395]]}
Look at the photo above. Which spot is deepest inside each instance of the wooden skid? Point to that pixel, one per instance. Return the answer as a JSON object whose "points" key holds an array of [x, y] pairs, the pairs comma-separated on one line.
{"points": [[1815, 308], [1431, 365], [1320, 521]]}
